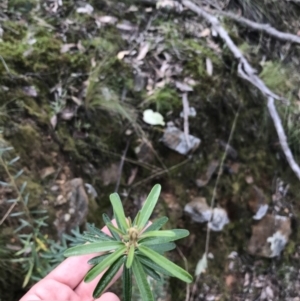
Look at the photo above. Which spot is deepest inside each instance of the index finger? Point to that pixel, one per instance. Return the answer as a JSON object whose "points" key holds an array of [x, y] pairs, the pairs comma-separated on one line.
{"points": [[73, 269]]}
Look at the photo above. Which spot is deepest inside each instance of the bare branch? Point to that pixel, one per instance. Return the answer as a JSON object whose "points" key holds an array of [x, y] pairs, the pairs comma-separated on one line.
{"points": [[282, 137], [246, 71], [186, 110], [267, 28], [245, 68]]}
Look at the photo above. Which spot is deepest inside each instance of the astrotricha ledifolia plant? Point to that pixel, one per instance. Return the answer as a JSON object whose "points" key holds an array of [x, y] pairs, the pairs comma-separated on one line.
{"points": [[138, 246]]}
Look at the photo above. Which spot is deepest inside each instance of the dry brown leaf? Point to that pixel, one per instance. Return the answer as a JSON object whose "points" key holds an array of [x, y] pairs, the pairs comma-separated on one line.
{"points": [[77, 100], [47, 171], [209, 66], [183, 87], [80, 47], [126, 26], [143, 51], [249, 180], [66, 47], [107, 19], [205, 33], [133, 174], [87, 9], [122, 54], [53, 121]]}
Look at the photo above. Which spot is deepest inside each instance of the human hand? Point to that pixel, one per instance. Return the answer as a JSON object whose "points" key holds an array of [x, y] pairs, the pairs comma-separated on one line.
{"points": [[65, 282]]}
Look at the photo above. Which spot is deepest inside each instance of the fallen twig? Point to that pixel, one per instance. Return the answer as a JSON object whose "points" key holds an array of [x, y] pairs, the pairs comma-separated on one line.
{"points": [[246, 71], [245, 67], [214, 193], [186, 109], [282, 137], [267, 28]]}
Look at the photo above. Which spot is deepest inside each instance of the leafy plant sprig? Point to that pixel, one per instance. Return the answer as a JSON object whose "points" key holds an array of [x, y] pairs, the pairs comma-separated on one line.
{"points": [[135, 245]]}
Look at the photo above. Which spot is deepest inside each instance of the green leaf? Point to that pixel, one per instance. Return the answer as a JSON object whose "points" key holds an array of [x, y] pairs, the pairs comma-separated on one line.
{"points": [[98, 259], [100, 267], [97, 232], [174, 269], [179, 233], [141, 280], [148, 207], [161, 233], [130, 257], [152, 273], [151, 264], [118, 211], [94, 247], [127, 283], [28, 274], [111, 227], [108, 277], [136, 219], [94, 238], [107, 220], [161, 248], [157, 224]]}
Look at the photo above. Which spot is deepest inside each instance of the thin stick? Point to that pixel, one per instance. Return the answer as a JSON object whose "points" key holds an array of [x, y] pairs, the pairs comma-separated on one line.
{"points": [[186, 109], [121, 166], [213, 198], [282, 137], [159, 173], [245, 66], [8, 212], [186, 266], [246, 71], [267, 28]]}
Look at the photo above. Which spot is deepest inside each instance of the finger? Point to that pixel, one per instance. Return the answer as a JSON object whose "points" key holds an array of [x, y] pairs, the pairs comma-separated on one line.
{"points": [[50, 290], [85, 290], [73, 269], [108, 297]]}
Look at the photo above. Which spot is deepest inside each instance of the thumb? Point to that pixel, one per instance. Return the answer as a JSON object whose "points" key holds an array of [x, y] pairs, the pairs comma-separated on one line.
{"points": [[108, 297]]}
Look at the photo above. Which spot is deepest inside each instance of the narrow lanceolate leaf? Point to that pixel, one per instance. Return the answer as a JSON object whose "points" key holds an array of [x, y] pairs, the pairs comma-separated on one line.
{"points": [[107, 220], [119, 211], [111, 227], [161, 233], [94, 247], [149, 205], [152, 273], [141, 280], [100, 267], [151, 264], [127, 283], [108, 277], [94, 238], [97, 232], [136, 219], [156, 225], [179, 233], [162, 248], [98, 259], [174, 269], [130, 257]]}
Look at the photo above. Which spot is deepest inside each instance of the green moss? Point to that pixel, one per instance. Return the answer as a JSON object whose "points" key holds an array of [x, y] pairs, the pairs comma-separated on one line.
{"points": [[26, 140], [165, 99], [35, 191], [275, 77]]}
